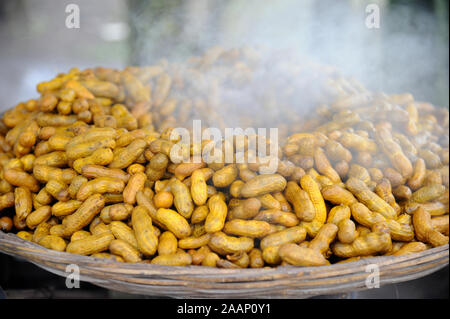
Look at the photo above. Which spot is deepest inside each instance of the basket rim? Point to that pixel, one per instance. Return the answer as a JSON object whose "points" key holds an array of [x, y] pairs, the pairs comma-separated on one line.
{"points": [[210, 282], [25, 248]]}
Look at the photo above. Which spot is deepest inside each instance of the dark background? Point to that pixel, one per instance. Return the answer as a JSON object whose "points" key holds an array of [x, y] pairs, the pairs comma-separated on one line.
{"points": [[408, 53], [24, 280]]}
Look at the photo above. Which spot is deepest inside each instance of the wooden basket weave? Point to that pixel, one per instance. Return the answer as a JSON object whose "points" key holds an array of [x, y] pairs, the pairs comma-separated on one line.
{"points": [[206, 282]]}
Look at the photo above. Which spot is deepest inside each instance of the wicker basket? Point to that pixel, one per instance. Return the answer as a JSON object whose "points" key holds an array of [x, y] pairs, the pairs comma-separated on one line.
{"points": [[205, 282]]}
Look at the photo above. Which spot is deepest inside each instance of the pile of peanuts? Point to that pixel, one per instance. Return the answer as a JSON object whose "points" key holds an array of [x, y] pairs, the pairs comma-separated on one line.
{"points": [[87, 169]]}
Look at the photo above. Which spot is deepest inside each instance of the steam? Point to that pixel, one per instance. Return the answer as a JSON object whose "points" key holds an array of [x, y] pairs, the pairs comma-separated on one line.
{"points": [[408, 53]]}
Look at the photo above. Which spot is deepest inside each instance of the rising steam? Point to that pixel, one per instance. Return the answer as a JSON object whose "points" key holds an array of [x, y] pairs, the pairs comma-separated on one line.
{"points": [[408, 53]]}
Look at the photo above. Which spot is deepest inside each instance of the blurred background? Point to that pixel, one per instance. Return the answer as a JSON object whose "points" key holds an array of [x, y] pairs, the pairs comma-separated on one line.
{"points": [[409, 52]]}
